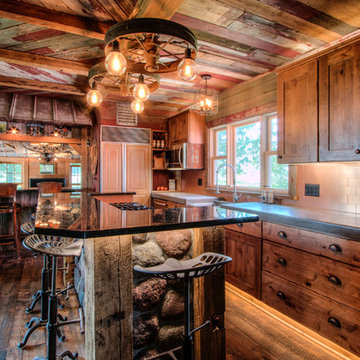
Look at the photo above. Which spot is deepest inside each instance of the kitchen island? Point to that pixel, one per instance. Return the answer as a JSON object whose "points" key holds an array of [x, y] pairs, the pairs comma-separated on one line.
{"points": [[127, 316]]}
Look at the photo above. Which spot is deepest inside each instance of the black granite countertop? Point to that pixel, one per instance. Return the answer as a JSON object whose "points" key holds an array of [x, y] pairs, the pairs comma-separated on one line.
{"points": [[325, 221], [81, 215]]}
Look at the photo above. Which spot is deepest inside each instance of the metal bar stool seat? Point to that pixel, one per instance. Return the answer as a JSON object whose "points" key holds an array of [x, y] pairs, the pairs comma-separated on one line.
{"points": [[27, 228], [54, 246], [173, 269]]}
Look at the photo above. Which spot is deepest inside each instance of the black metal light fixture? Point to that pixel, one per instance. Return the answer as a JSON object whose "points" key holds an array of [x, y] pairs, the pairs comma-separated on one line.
{"points": [[206, 101]]}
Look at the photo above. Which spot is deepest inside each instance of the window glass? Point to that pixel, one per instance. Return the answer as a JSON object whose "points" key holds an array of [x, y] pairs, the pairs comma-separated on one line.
{"points": [[11, 173], [221, 142], [75, 176], [221, 176], [273, 133], [247, 155], [279, 174]]}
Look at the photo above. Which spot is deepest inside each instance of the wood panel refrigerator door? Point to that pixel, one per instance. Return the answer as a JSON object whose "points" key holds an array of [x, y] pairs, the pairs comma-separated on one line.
{"points": [[111, 167], [138, 172], [297, 114], [339, 105]]}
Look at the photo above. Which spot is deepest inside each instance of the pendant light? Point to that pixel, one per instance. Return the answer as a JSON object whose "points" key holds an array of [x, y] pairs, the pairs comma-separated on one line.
{"points": [[141, 90], [115, 61], [187, 69], [137, 106], [206, 99], [94, 97]]}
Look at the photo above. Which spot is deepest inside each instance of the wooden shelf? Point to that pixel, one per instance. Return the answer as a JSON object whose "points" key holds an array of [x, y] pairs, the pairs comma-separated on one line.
{"points": [[41, 139], [160, 169], [157, 149]]}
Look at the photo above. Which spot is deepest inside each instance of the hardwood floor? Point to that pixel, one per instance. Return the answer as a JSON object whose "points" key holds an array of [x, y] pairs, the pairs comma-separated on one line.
{"points": [[19, 279], [254, 331]]}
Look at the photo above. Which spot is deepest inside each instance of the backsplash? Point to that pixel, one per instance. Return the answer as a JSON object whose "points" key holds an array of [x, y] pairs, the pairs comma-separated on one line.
{"points": [[339, 186]]}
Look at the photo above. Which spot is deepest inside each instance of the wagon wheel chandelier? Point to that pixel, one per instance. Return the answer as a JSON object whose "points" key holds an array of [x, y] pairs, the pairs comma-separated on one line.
{"points": [[147, 46]]}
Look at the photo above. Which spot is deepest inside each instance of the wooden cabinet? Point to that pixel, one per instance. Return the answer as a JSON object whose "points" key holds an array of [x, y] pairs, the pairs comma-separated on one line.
{"points": [[328, 317], [312, 278], [245, 269], [187, 127], [319, 108], [297, 114], [339, 105]]}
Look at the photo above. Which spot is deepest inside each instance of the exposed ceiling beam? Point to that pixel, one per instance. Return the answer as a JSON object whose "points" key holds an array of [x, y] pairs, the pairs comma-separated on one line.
{"points": [[162, 9], [40, 85], [51, 19], [44, 62]]}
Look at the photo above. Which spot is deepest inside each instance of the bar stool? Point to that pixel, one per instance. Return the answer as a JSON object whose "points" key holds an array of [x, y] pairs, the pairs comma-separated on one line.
{"points": [[186, 270], [8, 191], [54, 247]]}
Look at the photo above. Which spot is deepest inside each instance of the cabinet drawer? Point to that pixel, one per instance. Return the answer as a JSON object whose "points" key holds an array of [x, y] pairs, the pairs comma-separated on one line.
{"points": [[251, 228], [340, 249], [329, 318], [331, 278]]}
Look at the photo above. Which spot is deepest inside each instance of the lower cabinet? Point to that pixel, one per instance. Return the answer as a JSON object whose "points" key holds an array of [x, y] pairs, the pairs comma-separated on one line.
{"points": [[245, 250], [311, 277], [330, 318]]}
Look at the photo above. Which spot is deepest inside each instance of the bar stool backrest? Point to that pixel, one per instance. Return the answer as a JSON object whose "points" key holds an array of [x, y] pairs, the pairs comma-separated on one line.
{"points": [[49, 187], [8, 191]]}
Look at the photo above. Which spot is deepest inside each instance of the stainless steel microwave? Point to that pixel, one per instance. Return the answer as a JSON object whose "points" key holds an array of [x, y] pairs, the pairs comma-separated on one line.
{"points": [[176, 157]]}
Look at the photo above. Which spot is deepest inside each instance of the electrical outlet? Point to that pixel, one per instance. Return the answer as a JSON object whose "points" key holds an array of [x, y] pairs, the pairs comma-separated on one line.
{"points": [[200, 181], [312, 190]]}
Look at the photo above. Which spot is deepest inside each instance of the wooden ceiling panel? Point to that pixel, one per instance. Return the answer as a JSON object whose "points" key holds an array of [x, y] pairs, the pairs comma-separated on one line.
{"points": [[54, 43], [210, 11]]}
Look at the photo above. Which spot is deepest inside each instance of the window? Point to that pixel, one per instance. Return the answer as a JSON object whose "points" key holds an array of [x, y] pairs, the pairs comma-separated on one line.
{"points": [[47, 168], [75, 176], [250, 146], [11, 173]]}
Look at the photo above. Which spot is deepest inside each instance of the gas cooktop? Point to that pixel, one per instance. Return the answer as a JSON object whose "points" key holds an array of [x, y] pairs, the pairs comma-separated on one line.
{"points": [[130, 206]]}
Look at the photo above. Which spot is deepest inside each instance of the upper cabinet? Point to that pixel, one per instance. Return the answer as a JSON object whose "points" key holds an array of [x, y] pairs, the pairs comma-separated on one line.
{"points": [[339, 105], [319, 108], [297, 114], [187, 127]]}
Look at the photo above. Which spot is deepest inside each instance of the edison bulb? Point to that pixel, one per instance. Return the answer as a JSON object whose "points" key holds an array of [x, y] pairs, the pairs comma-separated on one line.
{"points": [[141, 92], [137, 106], [115, 63], [187, 69], [94, 97]]}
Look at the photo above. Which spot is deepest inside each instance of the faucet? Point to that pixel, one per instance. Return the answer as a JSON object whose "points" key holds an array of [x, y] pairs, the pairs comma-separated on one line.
{"points": [[235, 197]]}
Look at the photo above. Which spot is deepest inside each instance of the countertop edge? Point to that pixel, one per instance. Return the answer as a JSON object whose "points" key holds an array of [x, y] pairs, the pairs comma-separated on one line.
{"points": [[339, 230], [144, 229]]}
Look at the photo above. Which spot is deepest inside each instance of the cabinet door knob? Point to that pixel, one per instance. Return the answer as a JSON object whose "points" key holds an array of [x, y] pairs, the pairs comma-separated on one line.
{"points": [[282, 261], [357, 151], [282, 234], [334, 280], [280, 157], [334, 322], [335, 248], [281, 295]]}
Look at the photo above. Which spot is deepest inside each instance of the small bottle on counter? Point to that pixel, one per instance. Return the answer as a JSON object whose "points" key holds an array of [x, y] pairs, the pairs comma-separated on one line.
{"points": [[270, 198], [158, 142], [154, 140], [264, 194], [162, 143]]}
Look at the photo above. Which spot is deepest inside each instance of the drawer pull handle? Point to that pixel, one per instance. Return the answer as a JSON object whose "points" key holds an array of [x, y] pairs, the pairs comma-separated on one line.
{"points": [[240, 224], [282, 234], [334, 322], [334, 280], [335, 248], [282, 261], [357, 151], [281, 295]]}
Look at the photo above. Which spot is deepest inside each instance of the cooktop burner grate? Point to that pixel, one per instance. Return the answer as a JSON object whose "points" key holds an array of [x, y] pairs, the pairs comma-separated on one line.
{"points": [[130, 206]]}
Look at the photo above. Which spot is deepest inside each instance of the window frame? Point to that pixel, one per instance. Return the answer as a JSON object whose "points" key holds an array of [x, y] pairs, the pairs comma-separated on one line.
{"points": [[265, 155], [21, 163], [75, 165]]}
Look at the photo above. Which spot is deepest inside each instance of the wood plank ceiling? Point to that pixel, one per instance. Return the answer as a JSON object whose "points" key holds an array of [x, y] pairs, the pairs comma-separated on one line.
{"points": [[48, 46]]}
